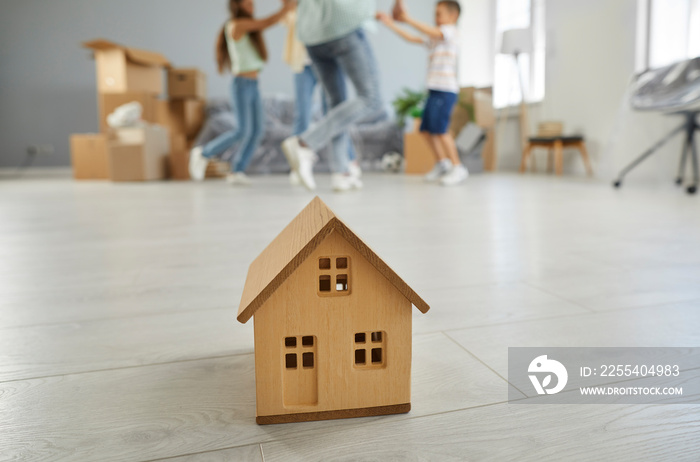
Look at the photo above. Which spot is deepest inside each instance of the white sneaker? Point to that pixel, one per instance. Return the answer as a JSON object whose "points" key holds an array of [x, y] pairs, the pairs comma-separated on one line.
{"points": [[238, 179], [457, 175], [198, 164], [345, 182], [355, 170], [301, 160], [441, 168], [294, 178]]}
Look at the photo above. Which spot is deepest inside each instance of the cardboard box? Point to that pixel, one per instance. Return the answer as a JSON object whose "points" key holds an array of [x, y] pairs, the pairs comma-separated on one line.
{"points": [[138, 154], [178, 142], [185, 116], [418, 156], [89, 157], [178, 165], [481, 102], [187, 83], [489, 152], [218, 169], [179, 158], [108, 102], [121, 69]]}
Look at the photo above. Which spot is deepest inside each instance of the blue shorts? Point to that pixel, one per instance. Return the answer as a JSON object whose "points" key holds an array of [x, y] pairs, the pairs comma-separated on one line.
{"points": [[438, 112]]}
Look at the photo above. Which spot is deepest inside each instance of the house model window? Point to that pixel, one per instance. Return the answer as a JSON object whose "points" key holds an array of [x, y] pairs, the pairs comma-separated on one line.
{"points": [[299, 352], [334, 276], [369, 350]]}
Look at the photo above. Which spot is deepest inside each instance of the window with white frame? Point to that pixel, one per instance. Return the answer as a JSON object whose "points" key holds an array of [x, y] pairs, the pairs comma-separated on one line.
{"points": [[520, 14], [669, 32]]}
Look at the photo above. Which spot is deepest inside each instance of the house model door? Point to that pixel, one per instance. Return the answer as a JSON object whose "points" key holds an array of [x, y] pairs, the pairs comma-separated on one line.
{"points": [[300, 375]]}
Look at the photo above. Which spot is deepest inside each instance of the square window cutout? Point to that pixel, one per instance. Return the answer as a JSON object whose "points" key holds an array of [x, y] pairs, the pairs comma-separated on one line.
{"points": [[290, 342], [291, 361], [341, 263], [360, 357], [307, 360], [376, 355], [360, 338], [376, 337], [307, 341], [324, 263], [324, 284], [341, 283]]}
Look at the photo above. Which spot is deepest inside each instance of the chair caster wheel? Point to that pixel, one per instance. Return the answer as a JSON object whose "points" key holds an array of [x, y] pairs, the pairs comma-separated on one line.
{"points": [[617, 184], [692, 189], [679, 181]]}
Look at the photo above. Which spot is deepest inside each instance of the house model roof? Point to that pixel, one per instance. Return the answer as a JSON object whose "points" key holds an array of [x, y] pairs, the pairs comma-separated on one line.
{"points": [[293, 245]]}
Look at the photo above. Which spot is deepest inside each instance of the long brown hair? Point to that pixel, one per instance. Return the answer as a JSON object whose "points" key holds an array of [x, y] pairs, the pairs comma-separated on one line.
{"points": [[223, 58]]}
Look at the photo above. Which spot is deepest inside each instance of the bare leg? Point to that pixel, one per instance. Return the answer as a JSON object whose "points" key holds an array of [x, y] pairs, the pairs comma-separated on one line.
{"points": [[436, 146], [449, 147], [457, 173]]}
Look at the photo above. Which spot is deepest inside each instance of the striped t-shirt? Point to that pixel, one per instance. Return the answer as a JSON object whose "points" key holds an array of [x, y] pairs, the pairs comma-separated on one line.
{"points": [[442, 68], [321, 21]]}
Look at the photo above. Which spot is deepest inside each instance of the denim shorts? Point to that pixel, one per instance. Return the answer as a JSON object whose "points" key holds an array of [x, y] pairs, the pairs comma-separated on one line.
{"points": [[438, 112]]}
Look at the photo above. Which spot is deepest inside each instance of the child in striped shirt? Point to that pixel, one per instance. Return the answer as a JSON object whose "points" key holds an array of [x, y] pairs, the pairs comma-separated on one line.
{"points": [[443, 85]]}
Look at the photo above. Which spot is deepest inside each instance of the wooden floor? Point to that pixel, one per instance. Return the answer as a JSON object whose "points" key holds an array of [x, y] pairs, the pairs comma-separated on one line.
{"points": [[118, 337]]}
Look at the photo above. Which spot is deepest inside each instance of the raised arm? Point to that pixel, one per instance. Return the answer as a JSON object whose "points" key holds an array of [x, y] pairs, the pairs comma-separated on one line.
{"points": [[389, 22], [246, 25], [431, 31]]}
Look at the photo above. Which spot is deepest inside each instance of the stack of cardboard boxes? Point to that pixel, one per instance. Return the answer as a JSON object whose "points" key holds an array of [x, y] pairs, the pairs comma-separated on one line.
{"points": [[479, 101], [183, 114], [159, 148]]}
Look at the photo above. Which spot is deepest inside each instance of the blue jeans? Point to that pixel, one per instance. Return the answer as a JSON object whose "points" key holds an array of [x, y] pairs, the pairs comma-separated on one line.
{"points": [[351, 55], [304, 85], [250, 116]]}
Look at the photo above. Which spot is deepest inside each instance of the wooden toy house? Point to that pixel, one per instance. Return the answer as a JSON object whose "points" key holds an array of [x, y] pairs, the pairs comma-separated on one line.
{"points": [[332, 325]]}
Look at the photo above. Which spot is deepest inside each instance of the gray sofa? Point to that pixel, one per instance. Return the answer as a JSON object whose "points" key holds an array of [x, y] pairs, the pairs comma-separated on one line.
{"points": [[373, 136]]}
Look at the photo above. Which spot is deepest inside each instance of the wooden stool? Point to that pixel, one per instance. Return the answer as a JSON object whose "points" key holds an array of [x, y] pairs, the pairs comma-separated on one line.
{"points": [[555, 146]]}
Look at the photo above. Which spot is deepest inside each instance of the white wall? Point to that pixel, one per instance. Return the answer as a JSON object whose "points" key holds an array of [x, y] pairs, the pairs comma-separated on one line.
{"points": [[47, 81], [477, 26], [590, 59]]}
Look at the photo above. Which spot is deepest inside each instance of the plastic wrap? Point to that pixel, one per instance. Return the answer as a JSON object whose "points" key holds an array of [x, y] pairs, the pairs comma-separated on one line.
{"points": [[373, 136], [673, 88]]}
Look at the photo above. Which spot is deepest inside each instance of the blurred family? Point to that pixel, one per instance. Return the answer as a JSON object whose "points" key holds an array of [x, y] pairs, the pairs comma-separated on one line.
{"points": [[327, 44]]}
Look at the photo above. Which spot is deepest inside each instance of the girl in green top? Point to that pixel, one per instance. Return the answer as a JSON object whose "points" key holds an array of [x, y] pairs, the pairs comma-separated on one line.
{"points": [[241, 50]]}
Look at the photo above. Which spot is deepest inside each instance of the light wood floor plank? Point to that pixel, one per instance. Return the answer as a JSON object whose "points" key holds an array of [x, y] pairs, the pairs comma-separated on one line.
{"points": [[118, 338], [123, 342], [622, 288], [511, 432], [490, 304], [663, 326], [250, 453], [150, 412]]}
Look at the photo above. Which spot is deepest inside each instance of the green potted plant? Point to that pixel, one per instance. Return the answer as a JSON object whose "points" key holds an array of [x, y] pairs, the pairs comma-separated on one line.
{"points": [[408, 103], [469, 107]]}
